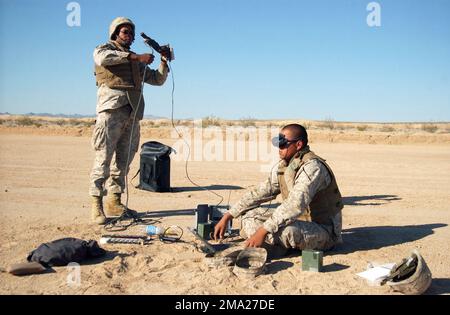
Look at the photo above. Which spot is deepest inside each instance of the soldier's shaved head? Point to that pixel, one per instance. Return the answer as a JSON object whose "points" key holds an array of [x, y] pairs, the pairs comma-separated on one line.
{"points": [[297, 132]]}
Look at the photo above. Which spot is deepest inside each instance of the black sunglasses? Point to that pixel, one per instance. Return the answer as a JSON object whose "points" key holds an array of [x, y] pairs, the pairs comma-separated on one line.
{"points": [[282, 142], [126, 32]]}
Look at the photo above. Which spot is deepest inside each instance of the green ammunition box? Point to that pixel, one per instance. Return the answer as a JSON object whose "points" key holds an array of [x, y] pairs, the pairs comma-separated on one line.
{"points": [[205, 229], [312, 260]]}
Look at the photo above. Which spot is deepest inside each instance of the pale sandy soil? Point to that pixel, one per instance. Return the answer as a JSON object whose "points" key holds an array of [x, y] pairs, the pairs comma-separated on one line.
{"points": [[396, 199]]}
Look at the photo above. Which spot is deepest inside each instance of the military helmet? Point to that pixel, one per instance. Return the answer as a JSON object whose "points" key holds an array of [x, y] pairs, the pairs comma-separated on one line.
{"points": [[250, 262], [412, 276], [118, 22]]}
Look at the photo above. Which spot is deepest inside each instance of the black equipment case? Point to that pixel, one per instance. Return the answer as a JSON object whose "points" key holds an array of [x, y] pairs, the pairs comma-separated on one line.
{"points": [[155, 167]]}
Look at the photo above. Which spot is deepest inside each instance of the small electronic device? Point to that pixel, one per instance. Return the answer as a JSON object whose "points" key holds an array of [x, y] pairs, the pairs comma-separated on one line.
{"points": [[164, 50], [217, 213], [207, 216]]}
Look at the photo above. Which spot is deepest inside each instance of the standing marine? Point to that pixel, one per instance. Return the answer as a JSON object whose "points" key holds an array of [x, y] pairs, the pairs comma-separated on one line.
{"points": [[119, 75]]}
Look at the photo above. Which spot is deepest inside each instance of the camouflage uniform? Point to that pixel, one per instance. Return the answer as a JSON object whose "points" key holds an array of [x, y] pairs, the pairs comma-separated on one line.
{"points": [[282, 222], [115, 112]]}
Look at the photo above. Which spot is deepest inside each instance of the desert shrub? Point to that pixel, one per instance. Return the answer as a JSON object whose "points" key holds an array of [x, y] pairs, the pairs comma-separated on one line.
{"points": [[432, 128], [210, 121], [60, 122], [187, 123], [307, 125], [89, 123], [25, 121], [147, 123], [327, 124], [247, 122], [362, 127], [178, 122], [387, 128], [74, 122]]}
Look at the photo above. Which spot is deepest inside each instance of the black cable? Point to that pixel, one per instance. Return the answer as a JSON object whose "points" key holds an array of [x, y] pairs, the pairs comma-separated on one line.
{"points": [[116, 223], [187, 144], [169, 239]]}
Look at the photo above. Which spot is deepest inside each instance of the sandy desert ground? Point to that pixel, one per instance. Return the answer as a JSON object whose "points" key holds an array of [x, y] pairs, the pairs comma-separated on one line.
{"points": [[396, 196]]}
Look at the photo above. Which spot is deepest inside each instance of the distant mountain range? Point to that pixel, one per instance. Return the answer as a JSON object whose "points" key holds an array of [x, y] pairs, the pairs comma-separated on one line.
{"points": [[72, 115]]}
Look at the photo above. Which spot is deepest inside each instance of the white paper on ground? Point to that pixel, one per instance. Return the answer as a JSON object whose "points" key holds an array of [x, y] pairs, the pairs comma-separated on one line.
{"points": [[375, 275]]}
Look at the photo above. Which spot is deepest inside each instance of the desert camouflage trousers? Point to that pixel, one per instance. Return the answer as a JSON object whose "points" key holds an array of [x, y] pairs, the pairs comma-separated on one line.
{"points": [[298, 234], [111, 142]]}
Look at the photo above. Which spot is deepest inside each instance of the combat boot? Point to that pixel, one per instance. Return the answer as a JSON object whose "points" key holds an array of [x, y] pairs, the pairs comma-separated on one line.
{"points": [[97, 214], [114, 208]]}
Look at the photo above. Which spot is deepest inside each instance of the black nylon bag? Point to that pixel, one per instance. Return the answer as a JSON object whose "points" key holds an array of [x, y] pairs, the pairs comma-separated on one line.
{"points": [[64, 251], [155, 167]]}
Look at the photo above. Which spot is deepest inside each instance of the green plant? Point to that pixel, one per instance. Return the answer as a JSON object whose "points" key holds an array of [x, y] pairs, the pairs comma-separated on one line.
{"points": [[362, 127]]}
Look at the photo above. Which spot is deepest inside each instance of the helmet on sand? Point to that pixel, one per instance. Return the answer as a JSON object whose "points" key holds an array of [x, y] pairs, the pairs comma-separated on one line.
{"points": [[412, 276], [250, 262], [116, 23]]}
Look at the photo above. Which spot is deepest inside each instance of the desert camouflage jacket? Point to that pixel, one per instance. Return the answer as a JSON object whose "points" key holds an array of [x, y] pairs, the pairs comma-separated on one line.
{"points": [[312, 177], [108, 98]]}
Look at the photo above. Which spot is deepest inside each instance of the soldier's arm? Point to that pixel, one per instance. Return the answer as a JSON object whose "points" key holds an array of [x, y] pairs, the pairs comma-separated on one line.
{"points": [[265, 191], [311, 178], [104, 56], [157, 77]]}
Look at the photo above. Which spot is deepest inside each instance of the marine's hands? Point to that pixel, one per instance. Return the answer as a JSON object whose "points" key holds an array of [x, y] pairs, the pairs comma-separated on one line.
{"points": [[144, 58], [165, 55], [257, 239], [221, 226], [164, 59]]}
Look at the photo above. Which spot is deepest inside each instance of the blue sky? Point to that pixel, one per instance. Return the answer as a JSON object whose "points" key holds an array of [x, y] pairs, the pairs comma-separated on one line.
{"points": [[240, 58]]}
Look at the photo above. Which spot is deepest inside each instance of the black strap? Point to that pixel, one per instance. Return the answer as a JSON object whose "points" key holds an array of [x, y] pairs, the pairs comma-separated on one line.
{"points": [[139, 170]]}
